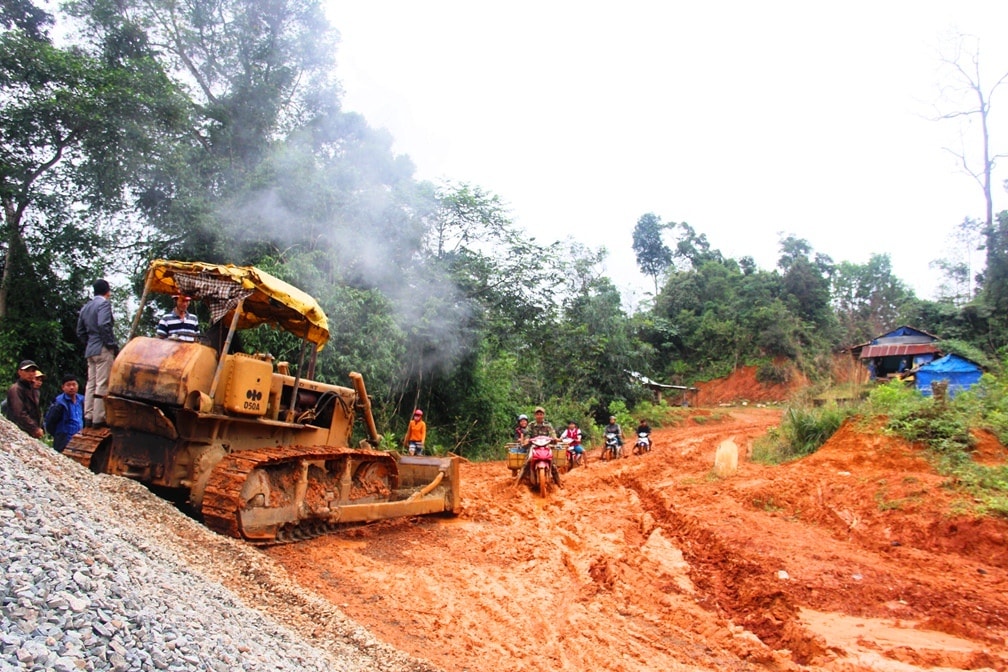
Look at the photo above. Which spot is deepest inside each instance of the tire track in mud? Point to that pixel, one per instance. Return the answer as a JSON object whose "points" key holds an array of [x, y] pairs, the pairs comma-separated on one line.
{"points": [[652, 563], [642, 601], [728, 582], [737, 576]]}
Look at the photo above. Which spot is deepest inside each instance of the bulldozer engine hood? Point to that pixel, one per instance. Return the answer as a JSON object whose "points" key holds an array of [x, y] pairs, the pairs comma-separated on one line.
{"points": [[264, 298]]}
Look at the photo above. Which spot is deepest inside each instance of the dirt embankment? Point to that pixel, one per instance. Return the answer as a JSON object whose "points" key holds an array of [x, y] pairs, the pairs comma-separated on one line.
{"points": [[856, 558], [742, 386]]}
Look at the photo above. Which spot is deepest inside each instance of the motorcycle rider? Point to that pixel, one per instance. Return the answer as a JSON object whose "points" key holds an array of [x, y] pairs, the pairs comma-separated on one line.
{"points": [[541, 427], [614, 428], [573, 432], [644, 428], [521, 429]]}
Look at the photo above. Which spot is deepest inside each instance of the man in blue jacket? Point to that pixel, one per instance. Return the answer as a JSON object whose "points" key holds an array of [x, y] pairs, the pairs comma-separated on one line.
{"points": [[65, 416], [94, 329]]}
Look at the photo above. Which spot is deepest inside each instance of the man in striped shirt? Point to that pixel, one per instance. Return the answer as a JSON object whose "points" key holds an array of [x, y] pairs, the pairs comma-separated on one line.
{"points": [[179, 324]]}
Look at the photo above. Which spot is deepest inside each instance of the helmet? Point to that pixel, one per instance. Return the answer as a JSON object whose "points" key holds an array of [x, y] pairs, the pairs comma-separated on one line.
{"points": [[523, 417], [418, 412]]}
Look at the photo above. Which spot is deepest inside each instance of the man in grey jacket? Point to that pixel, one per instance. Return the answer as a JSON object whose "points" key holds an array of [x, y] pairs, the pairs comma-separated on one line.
{"points": [[94, 329]]}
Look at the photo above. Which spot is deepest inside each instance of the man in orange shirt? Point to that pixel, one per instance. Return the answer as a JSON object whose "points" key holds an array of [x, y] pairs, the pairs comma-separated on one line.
{"points": [[416, 433]]}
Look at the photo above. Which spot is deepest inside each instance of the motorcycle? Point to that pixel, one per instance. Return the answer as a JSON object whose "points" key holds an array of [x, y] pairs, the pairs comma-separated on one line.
{"points": [[643, 444], [612, 449], [575, 458], [539, 469]]}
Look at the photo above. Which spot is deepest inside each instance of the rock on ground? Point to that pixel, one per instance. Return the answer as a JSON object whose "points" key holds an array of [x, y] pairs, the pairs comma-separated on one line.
{"points": [[99, 574]]}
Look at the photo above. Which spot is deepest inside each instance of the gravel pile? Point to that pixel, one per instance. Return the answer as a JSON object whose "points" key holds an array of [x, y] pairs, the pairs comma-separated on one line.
{"points": [[99, 574]]}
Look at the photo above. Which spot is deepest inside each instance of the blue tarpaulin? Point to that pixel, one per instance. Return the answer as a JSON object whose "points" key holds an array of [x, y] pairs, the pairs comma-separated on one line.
{"points": [[960, 373]]}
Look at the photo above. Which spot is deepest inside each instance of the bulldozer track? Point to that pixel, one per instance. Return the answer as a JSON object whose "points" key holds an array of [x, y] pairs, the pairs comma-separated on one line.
{"points": [[222, 503], [82, 446]]}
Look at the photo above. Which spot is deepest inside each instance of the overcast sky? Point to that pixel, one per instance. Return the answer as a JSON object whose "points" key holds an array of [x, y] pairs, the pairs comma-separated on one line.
{"points": [[744, 119]]}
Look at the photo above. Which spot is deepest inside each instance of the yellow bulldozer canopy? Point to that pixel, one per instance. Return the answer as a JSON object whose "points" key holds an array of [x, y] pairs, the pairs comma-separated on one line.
{"points": [[264, 298]]}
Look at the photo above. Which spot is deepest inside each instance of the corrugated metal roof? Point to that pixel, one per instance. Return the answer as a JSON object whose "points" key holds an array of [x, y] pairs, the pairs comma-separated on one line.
{"points": [[897, 350]]}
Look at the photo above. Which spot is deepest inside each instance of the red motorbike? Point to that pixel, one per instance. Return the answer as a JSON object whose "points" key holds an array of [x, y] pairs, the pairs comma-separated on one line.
{"points": [[539, 469]]}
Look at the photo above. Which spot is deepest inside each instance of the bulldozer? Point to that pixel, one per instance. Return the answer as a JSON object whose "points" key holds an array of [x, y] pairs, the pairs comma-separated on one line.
{"points": [[257, 449]]}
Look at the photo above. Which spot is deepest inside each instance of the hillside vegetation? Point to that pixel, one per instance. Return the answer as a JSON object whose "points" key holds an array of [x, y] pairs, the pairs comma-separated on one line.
{"points": [[218, 134], [950, 431]]}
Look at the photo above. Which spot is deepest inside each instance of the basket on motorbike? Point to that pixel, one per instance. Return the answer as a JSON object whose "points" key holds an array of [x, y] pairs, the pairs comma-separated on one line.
{"points": [[515, 457], [560, 456]]}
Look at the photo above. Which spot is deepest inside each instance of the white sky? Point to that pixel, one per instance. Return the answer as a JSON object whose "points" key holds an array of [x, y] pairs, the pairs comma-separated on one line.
{"points": [[744, 119]]}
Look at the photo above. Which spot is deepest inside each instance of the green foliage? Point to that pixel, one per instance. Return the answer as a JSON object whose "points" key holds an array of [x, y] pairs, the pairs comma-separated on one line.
{"points": [[719, 317], [660, 415], [894, 397], [476, 409], [985, 405], [593, 348], [868, 298], [562, 409], [991, 398], [995, 278], [43, 342], [944, 426], [801, 433], [932, 424], [82, 127], [624, 418], [228, 143], [770, 373], [967, 351], [653, 255]]}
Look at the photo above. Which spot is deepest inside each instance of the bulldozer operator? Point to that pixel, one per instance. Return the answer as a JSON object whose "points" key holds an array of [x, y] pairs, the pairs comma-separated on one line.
{"points": [[179, 323]]}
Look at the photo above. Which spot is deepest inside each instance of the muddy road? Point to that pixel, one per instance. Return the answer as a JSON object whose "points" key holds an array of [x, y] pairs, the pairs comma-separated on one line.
{"points": [[856, 558]]}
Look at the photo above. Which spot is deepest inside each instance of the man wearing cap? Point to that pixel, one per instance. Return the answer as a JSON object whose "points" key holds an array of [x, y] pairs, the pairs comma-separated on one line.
{"points": [[94, 329], [541, 427], [179, 324], [23, 399], [65, 416]]}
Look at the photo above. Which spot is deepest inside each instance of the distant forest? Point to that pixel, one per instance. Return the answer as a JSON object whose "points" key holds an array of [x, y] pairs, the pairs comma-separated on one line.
{"points": [[214, 131]]}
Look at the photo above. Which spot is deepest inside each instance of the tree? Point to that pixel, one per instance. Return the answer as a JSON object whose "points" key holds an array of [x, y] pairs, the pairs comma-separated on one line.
{"points": [[467, 216], [995, 289], [972, 99], [959, 271], [591, 349], [80, 125], [868, 298], [77, 128], [692, 248], [806, 281], [653, 256], [264, 109], [969, 95]]}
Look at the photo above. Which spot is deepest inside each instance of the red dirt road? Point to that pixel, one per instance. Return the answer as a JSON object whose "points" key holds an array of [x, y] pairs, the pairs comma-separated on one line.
{"points": [[855, 558]]}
